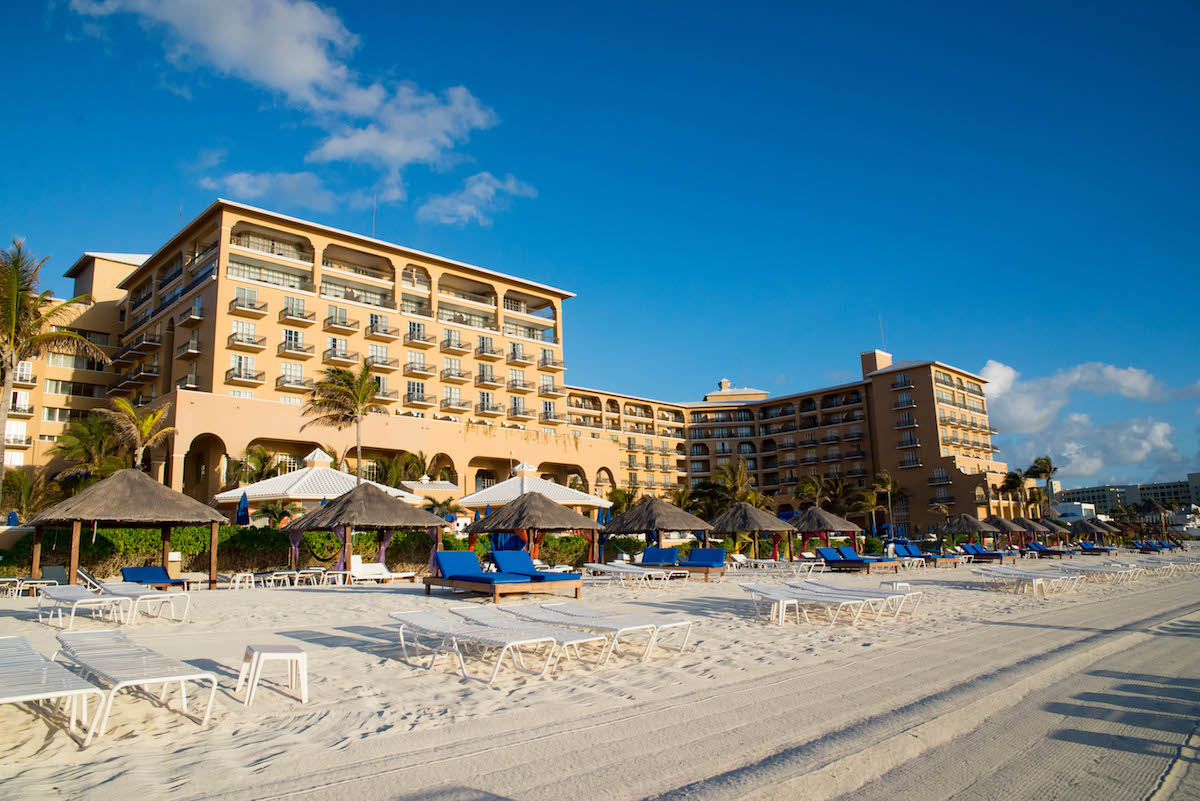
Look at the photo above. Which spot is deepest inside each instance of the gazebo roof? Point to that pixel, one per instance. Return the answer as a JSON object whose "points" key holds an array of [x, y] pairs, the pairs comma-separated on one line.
{"points": [[1003, 524], [510, 489], [130, 498], [815, 519], [1087, 527], [1052, 527], [315, 482], [366, 506], [744, 517], [1031, 526], [532, 511], [654, 514], [967, 524]]}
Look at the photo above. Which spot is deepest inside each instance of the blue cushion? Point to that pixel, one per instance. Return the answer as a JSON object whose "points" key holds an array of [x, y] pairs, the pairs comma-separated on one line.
{"points": [[458, 563], [851, 555], [490, 578], [705, 557], [659, 556], [148, 575], [519, 563]]}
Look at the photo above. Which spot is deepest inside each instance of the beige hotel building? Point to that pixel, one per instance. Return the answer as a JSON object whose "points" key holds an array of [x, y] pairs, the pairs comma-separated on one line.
{"points": [[234, 317]]}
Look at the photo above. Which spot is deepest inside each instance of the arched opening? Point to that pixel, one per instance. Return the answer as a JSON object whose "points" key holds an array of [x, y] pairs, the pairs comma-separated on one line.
{"points": [[205, 467]]}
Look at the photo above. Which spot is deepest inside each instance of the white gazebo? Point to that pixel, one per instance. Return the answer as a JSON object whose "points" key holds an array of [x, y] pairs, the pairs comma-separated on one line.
{"points": [[523, 481], [308, 486]]}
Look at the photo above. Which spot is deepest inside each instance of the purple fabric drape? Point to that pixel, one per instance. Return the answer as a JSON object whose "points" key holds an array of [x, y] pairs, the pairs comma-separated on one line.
{"points": [[294, 538], [385, 539], [433, 549], [340, 532]]}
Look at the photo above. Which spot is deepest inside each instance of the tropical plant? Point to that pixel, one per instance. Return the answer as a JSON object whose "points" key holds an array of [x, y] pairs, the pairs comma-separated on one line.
{"points": [[575, 482], [709, 500], [940, 509], [1014, 485], [442, 508], [887, 484], [391, 470], [866, 502], [28, 321], [29, 492], [92, 447], [1036, 498], [812, 489], [337, 462], [734, 479], [682, 496], [276, 512], [841, 496], [1044, 469], [257, 464], [138, 430], [342, 398], [622, 500], [756, 499]]}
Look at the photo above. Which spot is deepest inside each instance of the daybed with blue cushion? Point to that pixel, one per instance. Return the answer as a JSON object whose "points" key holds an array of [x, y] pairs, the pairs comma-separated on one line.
{"points": [[519, 563], [979, 554], [707, 561], [153, 576], [460, 570], [659, 557], [935, 559]]}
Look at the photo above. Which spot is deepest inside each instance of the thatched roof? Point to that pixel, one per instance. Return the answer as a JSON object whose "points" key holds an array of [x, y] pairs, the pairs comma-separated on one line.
{"points": [[1087, 527], [966, 524], [1052, 527], [654, 514], [1005, 525], [366, 506], [815, 519], [745, 517], [1150, 507], [1104, 524], [130, 498], [532, 512], [1032, 526]]}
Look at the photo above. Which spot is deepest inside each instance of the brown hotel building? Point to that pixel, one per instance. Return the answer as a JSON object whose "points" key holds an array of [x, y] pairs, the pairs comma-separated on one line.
{"points": [[233, 318]]}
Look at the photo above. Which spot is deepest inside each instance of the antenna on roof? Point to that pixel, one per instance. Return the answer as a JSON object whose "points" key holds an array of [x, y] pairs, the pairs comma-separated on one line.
{"points": [[882, 341], [180, 215]]}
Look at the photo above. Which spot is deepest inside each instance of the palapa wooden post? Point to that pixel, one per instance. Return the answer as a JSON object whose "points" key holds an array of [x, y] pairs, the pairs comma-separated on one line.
{"points": [[212, 555], [35, 569], [73, 565], [166, 545]]}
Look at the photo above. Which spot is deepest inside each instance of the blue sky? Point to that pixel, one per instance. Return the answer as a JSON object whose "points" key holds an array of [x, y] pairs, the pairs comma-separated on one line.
{"points": [[736, 192]]}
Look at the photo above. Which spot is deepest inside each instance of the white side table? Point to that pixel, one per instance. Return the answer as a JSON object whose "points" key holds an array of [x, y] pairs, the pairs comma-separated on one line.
{"points": [[257, 655], [242, 581], [895, 585]]}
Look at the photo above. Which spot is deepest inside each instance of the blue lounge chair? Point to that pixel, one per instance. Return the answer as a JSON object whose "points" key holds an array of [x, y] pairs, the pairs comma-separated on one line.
{"points": [[520, 563], [913, 552], [659, 557], [979, 554], [1147, 547], [153, 576], [1090, 547], [1164, 544], [460, 570], [1042, 552], [707, 561], [835, 561]]}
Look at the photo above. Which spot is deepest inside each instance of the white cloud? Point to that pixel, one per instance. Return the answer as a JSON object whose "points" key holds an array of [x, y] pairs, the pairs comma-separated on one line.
{"points": [[301, 52], [482, 195], [1082, 448], [298, 188]]}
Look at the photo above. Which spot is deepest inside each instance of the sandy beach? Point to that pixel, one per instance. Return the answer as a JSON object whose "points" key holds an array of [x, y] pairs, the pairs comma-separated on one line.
{"points": [[983, 694]]}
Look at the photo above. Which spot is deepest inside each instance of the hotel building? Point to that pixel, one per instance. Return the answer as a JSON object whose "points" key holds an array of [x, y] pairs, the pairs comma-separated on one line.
{"points": [[233, 318]]}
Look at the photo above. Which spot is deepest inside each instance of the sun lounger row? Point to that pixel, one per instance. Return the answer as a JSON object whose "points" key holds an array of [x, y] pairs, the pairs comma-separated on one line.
{"points": [[1111, 573], [1036, 581], [702, 561], [834, 600], [779, 567], [547, 633], [636, 574], [515, 573], [120, 602]]}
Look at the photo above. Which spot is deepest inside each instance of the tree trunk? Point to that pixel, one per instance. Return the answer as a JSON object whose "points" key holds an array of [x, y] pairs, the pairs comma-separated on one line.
{"points": [[358, 451], [10, 368]]}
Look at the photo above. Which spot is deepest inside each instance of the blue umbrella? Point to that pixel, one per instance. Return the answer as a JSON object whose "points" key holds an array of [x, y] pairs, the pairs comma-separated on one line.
{"points": [[13, 520], [243, 511]]}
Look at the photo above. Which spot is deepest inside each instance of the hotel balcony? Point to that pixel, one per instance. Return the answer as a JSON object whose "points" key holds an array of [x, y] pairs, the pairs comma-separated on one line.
{"points": [[382, 333], [902, 424], [457, 346], [489, 353], [187, 382], [144, 373], [366, 295], [451, 376], [521, 413], [123, 358], [904, 405], [420, 399], [415, 307], [831, 457], [416, 340], [552, 418], [831, 438], [145, 343], [119, 388], [189, 317], [297, 317], [520, 386], [910, 463], [908, 443], [246, 342], [856, 455], [342, 358], [295, 350], [188, 350], [489, 409], [386, 395], [16, 441], [521, 357], [456, 405], [531, 332], [489, 381], [420, 370], [20, 411], [906, 384], [245, 378], [945, 500], [462, 317], [551, 390], [853, 436], [340, 325], [244, 307], [552, 365], [938, 481], [856, 472], [286, 383], [382, 364], [809, 459]]}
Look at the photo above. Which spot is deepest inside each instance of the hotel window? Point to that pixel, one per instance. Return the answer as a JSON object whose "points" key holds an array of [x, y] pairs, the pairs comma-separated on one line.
{"points": [[24, 372], [416, 330], [378, 353], [453, 336], [547, 382], [75, 388], [291, 400], [516, 375], [451, 363], [241, 365], [20, 400], [517, 404], [240, 393], [337, 345], [73, 362], [14, 458], [723, 460], [378, 322], [292, 372], [416, 388], [548, 407], [243, 331], [547, 355], [293, 339], [286, 463], [245, 296], [486, 399], [294, 306], [451, 394], [14, 432], [485, 372], [339, 314], [416, 358], [904, 398]]}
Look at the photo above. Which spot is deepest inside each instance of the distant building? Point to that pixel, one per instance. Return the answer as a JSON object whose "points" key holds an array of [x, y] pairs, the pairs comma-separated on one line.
{"points": [[1106, 497]]}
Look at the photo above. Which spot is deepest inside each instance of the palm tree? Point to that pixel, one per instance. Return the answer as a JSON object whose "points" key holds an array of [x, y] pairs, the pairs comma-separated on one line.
{"points": [[442, 508], [709, 500], [391, 470], [27, 320], [866, 502], [138, 430], [622, 500], [92, 446], [29, 492], [276, 512], [336, 462], [734, 479], [885, 483], [342, 398], [1036, 497], [1014, 484], [1044, 469], [257, 464], [682, 496], [987, 495], [812, 489], [841, 496]]}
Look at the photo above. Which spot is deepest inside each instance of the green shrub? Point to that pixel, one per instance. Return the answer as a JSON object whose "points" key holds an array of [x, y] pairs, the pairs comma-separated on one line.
{"points": [[872, 545]]}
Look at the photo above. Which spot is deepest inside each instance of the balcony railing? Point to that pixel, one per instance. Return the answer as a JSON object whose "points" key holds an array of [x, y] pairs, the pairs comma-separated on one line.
{"points": [[383, 363], [412, 307], [451, 374], [337, 323], [456, 404], [552, 364], [466, 318], [339, 355], [552, 417], [247, 306], [291, 382], [245, 375], [294, 349], [420, 399], [418, 339], [381, 331], [908, 443], [420, 368], [239, 340], [520, 385], [489, 408], [297, 316], [908, 404], [456, 346], [937, 481], [489, 352]]}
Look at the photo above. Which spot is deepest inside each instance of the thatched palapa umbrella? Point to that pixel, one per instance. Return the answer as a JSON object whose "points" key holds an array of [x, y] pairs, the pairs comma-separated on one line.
{"points": [[969, 525], [532, 512], [654, 516], [1009, 527], [754, 521], [1053, 527], [364, 507], [128, 498], [815, 520], [1087, 528]]}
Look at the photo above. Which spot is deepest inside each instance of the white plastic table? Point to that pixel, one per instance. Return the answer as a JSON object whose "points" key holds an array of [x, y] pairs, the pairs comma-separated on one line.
{"points": [[257, 655]]}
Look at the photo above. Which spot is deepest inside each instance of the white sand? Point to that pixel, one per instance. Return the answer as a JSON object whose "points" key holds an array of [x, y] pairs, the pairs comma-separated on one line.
{"points": [[984, 694]]}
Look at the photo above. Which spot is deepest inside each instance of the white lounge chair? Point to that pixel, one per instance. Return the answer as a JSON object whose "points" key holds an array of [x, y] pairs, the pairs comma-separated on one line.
{"points": [[671, 573], [373, 572], [112, 659], [895, 598], [567, 640], [453, 635], [141, 595], [1116, 575], [782, 598], [614, 630], [27, 677], [74, 597], [626, 573], [601, 620]]}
